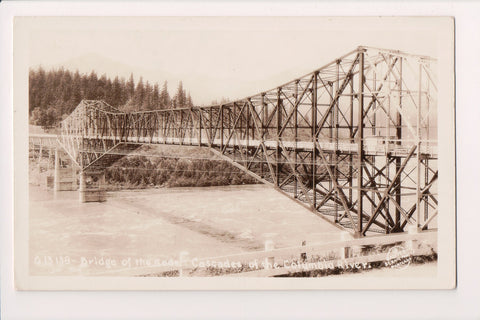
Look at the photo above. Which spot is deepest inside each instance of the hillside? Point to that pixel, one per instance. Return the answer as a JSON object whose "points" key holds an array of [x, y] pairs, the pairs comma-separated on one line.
{"points": [[54, 94]]}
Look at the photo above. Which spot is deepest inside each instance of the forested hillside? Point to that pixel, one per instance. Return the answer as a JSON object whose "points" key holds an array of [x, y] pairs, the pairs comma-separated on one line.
{"points": [[173, 166], [54, 94]]}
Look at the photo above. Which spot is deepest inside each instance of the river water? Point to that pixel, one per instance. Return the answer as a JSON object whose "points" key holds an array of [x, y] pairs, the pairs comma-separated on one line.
{"points": [[72, 238]]}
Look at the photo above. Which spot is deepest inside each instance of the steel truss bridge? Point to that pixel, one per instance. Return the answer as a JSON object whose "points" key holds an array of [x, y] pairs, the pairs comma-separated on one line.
{"points": [[354, 141]]}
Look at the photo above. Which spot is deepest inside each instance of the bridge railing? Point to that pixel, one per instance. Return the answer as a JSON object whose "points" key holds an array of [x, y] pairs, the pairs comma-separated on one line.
{"points": [[282, 261]]}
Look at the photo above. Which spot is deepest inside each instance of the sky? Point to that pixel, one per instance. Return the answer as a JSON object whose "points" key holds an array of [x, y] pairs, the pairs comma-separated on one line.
{"points": [[215, 57]]}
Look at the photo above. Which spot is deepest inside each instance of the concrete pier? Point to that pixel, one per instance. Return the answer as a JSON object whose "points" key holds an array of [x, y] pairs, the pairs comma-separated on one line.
{"points": [[92, 186], [65, 176]]}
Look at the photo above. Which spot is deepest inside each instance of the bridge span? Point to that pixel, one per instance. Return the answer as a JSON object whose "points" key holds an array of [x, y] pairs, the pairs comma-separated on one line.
{"points": [[354, 141]]}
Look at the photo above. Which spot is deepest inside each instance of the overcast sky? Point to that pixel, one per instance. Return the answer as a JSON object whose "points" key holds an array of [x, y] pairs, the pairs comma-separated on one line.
{"points": [[216, 57]]}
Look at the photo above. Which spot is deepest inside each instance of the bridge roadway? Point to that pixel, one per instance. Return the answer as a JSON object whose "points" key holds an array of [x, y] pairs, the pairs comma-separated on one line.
{"points": [[370, 148]]}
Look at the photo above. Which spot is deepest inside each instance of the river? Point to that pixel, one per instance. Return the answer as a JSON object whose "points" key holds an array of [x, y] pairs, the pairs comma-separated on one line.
{"points": [[72, 238]]}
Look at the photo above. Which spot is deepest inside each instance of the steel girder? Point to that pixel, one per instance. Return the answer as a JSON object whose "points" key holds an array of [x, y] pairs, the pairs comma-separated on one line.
{"points": [[355, 140]]}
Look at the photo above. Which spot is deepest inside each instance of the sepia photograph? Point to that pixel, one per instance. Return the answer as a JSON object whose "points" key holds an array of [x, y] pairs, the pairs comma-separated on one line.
{"points": [[234, 153]]}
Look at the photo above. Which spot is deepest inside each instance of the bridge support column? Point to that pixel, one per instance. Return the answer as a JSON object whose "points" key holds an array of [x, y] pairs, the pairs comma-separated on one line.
{"points": [[359, 232], [92, 186], [64, 175]]}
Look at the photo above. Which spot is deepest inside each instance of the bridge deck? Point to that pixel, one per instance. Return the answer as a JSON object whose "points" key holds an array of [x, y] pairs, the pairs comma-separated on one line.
{"points": [[376, 149]]}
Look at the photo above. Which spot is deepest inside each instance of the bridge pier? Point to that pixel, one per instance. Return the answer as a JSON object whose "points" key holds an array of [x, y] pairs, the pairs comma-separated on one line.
{"points": [[64, 175], [92, 186]]}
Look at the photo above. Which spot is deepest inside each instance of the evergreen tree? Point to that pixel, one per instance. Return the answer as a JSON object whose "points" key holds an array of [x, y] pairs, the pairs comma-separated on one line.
{"points": [[180, 96], [139, 95], [147, 100], [66, 89], [155, 97], [91, 90], [165, 97], [77, 91], [109, 92], [124, 93], [116, 97], [101, 93], [130, 87]]}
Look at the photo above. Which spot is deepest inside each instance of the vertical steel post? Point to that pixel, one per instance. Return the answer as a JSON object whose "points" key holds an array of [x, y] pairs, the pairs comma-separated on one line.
{"points": [[229, 121], [279, 127], [83, 126], [398, 160], [335, 134], [247, 126], [234, 128], [374, 132], [332, 112], [419, 137], [427, 144], [265, 116], [295, 120], [360, 159], [264, 128], [314, 140], [350, 157], [240, 124], [425, 199], [199, 128], [387, 148], [211, 125], [221, 127], [330, 133]]}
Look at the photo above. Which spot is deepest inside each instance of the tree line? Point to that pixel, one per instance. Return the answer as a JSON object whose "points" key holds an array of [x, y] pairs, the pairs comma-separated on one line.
{"points": [[142, 172], [54, 94]]}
